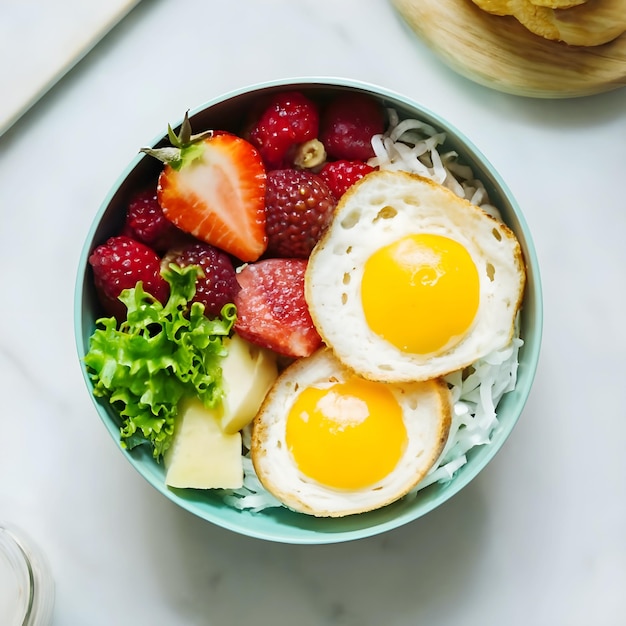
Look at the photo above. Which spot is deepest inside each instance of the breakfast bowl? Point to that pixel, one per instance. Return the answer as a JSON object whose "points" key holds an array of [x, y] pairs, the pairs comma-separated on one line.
{"points": [[469, 437]]}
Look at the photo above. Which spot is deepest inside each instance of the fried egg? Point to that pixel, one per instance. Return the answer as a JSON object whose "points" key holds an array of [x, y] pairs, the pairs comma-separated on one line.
{"points": [[329, 443], [410, 282]]}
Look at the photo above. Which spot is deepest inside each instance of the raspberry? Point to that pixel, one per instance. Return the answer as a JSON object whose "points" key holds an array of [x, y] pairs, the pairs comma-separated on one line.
{"points": [[271, 309], [341, 175], [146, 222], [219, 284], [348, 125], [120, 263], [290, 119], [298, 207]]}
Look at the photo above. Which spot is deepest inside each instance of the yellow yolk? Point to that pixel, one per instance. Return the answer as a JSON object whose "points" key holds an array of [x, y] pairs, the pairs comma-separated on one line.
{"points": [[347, 436], [420, 293]]}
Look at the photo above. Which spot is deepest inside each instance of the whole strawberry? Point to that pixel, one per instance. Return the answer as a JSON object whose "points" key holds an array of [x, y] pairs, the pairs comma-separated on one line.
{"points": [[298, 207], [348, 124], [341, 175], [146, 222], [219, 284], [120, 263], [289, 120]]}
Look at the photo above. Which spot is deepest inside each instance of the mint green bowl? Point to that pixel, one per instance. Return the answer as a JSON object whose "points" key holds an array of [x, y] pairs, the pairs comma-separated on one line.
{"points": [[281, 525]]}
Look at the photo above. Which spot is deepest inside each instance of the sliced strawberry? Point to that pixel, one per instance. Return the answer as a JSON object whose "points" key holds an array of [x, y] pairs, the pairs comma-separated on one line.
{"points": [[213, 187], [271, 309]]}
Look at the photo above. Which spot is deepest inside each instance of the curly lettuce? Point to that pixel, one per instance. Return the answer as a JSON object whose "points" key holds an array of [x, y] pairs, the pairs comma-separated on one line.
{"points": [[157, 356]]}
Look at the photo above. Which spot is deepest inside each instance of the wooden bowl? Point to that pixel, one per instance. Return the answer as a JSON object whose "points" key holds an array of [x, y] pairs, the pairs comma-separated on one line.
{"points": [[500, 53]]}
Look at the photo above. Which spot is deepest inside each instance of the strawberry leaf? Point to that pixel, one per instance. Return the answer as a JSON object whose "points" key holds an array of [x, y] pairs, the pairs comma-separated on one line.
{"points": [[185, 147]]}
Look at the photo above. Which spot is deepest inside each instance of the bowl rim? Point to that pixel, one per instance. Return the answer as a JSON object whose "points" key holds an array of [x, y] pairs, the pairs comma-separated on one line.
{"points": [[532, 345]]}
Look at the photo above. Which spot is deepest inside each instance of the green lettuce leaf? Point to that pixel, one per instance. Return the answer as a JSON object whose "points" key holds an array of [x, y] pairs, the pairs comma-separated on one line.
{"points": [[156, 357]]}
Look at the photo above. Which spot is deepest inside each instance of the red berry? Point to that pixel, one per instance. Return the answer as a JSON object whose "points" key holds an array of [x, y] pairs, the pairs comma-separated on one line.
{"points": [[348, 125], [289, 119], [146, 222], [341, 175], [271, 309], [120, 263], [219, 284], [298, 207]]}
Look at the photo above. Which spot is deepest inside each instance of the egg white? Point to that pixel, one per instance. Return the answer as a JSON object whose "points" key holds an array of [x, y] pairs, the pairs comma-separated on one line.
{"points": [[426, 408], [378, 210]]}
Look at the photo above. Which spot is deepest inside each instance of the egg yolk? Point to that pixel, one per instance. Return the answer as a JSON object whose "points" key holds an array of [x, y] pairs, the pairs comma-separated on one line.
{"points": [[347, 436], [421, 293]]}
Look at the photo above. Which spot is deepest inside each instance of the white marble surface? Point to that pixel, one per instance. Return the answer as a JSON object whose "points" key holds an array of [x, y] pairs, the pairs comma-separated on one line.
{"points": [[538, 538]]}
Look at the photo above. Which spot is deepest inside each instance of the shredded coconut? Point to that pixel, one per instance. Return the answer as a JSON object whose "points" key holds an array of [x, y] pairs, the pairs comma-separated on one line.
{"points": [[475, 397], [413, 146]]}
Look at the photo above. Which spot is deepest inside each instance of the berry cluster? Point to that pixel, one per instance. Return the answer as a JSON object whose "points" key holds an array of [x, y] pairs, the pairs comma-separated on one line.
{"points": [[247, 208]]}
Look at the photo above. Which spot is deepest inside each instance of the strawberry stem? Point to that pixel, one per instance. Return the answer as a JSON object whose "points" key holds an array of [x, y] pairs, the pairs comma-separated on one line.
{"points": [[174, 155]]}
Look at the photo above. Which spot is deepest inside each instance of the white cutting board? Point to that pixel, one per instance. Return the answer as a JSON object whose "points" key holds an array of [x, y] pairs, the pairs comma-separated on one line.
{"points": [[40, 40]]}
